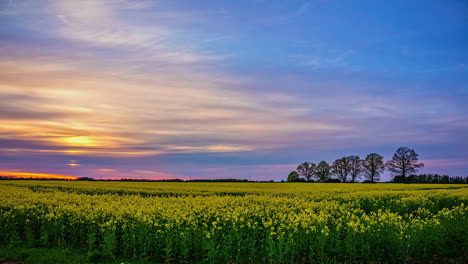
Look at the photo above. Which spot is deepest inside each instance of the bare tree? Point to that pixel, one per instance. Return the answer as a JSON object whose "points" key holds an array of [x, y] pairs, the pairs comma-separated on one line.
{"points": [[355, 167], [307, 170], [341, 168], [373, 165], [323, 171], [403, 163]]}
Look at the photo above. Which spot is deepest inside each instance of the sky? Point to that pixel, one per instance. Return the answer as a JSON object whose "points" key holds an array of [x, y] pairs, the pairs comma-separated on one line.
{"points": [[229, 89]]}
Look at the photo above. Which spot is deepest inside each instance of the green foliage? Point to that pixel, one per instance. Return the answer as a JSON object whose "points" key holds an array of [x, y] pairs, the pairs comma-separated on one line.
{"points": [[294, 177], [307, 170], [341, 168], [323, 171]]}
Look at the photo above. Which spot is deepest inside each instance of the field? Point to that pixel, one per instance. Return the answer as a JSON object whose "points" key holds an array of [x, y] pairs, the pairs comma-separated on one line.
{"points": [[236, 222]]}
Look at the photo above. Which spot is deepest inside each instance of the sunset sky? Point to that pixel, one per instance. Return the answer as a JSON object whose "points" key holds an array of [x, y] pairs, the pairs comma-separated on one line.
{"points": [[229, 89]]}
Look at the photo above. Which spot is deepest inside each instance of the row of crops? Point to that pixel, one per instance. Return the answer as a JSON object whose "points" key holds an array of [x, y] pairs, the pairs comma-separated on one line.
{"points": [[238, 222]]}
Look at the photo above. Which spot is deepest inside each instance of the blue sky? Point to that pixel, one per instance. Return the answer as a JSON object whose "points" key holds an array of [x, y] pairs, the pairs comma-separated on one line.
{"points": [[222, 89]]}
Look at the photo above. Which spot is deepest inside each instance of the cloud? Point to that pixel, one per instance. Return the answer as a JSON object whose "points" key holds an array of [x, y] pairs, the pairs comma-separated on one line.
{"points": [[284, 17], [74, 110], [301, 10], [334, 60], [121, 79], [251, 172], [112, 24], [444, 163], [71, 109], [115, 174]]}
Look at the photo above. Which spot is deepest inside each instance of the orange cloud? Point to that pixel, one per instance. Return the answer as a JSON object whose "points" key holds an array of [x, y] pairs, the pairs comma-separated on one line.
{"points": [[75, 104], [91, 152], [37, 175], [106, 170]]}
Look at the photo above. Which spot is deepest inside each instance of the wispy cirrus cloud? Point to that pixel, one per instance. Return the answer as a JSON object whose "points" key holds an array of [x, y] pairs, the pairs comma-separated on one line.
{"points": [[149, 80], [74, 111], [334, 60], [112, 24]]}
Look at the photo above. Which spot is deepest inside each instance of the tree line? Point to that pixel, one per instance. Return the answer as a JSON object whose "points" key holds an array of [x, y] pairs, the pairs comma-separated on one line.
{"points": [[403, 164], [433, 178]]}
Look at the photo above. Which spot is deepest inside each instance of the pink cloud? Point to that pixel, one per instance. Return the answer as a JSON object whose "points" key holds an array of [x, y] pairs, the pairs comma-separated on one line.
{"points": [[116, 174], [252, 172], [445, 163]]}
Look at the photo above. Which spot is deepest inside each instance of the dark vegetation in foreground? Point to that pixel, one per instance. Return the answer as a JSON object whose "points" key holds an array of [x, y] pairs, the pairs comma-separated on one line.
{"points": [[45, 255], [23, 255]]}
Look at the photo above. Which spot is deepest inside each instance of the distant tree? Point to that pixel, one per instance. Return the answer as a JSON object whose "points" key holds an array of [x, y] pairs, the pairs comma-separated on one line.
{"points": [[323, 171], [373, 165], [341, 168], [411, 179], [398, 179], [355, 167], [307, 170], [422, 178], [437, 178], [333, 181], [368, 181], [403, 163], [293, 176], [445, 179], [429, 178], [458, 179], [85, 179]]}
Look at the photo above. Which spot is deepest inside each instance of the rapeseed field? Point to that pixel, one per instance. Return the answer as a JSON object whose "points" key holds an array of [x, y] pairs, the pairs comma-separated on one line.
{"points": [[188, 222]]}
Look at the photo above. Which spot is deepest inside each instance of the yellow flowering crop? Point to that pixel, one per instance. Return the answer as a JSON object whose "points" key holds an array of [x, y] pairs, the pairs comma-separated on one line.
{"points": [[238, 222]]}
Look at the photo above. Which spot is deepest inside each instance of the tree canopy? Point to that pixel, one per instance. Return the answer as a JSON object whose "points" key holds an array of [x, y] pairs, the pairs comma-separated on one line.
{"points": [[355, 167], [293, 176], [323, 171], [307, 170], [404, 163], [373, 166], [341, 168]]}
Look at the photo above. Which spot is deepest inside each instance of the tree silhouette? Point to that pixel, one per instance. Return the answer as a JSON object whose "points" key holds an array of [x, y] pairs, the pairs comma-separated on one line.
{"points": [[373, 165], [341, 168], [404, 162], [293, 176], [323, 171], [355, 167], [307, 170]]}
